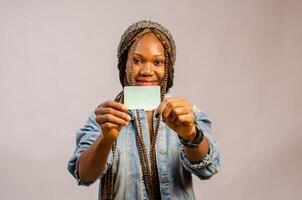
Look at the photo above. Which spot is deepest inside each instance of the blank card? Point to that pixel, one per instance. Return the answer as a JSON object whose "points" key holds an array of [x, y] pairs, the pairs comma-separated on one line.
{"points": [[142, 97]]}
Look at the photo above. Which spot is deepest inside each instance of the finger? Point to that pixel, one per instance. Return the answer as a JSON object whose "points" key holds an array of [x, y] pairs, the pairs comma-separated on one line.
{"points": [[167, 110], [108, 125], [187, 119], [101, 119], [112, 111], [115, 105], [178, 111], [170, 105], [162, 105]]}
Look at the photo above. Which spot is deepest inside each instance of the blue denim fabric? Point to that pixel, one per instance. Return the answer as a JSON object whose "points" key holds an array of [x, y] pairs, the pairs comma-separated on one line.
{"points": [[174, 169]]}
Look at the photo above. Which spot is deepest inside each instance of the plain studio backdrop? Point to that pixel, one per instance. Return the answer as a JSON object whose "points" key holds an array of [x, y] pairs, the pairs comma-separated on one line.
{"points": [[238, 60]]}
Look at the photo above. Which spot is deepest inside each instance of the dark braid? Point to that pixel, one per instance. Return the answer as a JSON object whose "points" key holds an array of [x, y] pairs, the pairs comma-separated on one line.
{"points": [[127, 46]]}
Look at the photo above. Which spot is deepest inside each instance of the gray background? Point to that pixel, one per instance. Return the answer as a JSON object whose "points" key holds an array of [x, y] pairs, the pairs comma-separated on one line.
{"points": [[239, 60]]}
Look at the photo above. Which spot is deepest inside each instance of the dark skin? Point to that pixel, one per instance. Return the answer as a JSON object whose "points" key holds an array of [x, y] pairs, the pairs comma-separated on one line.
{"points": [[148, 70]]}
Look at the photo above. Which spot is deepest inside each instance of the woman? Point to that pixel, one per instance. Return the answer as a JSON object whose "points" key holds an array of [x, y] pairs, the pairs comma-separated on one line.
{"points": [[141, 154]]}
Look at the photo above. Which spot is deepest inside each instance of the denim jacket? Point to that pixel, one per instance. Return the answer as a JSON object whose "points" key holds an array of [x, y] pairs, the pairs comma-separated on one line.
{"points": [[174, 169]]}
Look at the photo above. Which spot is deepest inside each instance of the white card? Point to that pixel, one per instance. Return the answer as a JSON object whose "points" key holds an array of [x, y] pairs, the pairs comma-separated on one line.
{"points": [[142, 97]]}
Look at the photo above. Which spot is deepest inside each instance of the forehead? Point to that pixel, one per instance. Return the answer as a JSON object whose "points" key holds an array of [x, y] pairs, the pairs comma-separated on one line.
{"points": [[149, 42]]}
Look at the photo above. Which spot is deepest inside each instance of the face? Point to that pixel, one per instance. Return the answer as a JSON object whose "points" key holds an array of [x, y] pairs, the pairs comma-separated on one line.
{"points": [[148, 62]]}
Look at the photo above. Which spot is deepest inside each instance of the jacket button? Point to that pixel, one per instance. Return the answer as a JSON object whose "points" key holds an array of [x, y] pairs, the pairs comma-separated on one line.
{"points": [[162, 151], [165, 179]]}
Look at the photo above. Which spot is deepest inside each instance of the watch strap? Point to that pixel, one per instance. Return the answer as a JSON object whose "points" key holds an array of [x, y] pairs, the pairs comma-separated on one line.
{"points": [[197, 140]]}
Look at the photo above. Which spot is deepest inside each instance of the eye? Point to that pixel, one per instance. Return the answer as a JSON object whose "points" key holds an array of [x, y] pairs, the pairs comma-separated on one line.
{"points": [[136, 61], [158, 62]]}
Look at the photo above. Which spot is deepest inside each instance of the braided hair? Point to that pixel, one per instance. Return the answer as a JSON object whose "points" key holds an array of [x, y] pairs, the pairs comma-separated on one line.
{"points": [[126, 51]]}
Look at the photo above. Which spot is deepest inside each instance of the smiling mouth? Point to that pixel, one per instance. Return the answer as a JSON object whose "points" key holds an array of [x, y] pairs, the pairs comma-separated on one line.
{"points": [[146, 83]]}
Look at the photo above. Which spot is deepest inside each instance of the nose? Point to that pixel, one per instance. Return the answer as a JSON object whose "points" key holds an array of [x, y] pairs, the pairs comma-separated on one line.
{"points": [[147, 69]]}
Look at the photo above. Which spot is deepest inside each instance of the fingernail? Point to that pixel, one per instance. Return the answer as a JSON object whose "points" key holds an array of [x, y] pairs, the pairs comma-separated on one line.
{"points": [[131, 115]]}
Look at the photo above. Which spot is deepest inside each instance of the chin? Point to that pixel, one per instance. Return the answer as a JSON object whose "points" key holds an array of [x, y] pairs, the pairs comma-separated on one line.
{"points": [[146, 84]]}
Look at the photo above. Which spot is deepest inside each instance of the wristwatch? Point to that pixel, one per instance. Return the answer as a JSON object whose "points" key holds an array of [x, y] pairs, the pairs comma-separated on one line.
{"points": [[197, 140]]}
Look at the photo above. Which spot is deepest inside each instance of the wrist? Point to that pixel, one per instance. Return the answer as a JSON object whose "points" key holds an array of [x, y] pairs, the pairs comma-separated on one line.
{"points": [[193, 143], [110, 136], [190, 137]]}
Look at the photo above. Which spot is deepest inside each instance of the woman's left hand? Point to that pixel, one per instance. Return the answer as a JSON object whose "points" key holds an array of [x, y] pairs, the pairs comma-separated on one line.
{"points": [[177, 113]]}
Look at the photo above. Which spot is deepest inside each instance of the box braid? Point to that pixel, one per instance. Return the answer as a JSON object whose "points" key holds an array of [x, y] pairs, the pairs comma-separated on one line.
{"points": [[127, 46]]}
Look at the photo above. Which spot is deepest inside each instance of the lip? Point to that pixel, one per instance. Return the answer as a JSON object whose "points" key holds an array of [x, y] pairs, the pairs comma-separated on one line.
{"points": [[146, 83]]}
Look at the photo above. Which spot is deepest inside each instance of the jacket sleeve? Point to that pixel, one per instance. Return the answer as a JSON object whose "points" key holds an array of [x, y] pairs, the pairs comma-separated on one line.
{"points": [[210, 164], [85, 137]]}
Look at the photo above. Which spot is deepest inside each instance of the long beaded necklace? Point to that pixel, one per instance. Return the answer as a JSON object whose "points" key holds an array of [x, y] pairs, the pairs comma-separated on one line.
{"points": [[150, 174]]}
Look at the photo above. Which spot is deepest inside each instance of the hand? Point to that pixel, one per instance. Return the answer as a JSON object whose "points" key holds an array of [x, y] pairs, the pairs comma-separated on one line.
{"points": [[178, 115], [112, 116]]}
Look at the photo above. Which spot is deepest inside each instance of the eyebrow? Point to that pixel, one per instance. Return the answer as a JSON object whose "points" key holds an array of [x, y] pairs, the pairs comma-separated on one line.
{"points": [[153, 56]]}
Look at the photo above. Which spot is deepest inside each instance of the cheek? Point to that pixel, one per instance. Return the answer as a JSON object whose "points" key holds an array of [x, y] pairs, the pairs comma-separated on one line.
{"points": [[161, 72]]}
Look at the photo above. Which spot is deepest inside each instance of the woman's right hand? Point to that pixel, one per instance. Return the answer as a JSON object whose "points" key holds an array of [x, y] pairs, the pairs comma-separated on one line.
{"points": [[112, 116]]}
